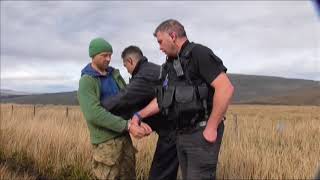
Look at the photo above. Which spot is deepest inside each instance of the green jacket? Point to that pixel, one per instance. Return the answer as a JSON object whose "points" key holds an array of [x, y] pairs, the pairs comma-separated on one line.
{"points": [[102, 124]]}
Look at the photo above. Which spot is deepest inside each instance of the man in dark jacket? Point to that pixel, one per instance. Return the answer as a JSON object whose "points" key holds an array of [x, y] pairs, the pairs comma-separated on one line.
{"points": [[139, 92]]}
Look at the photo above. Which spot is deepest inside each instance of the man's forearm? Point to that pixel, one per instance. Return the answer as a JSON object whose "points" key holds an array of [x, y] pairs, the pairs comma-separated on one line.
{"points": [[151, 109], [221, 101]]}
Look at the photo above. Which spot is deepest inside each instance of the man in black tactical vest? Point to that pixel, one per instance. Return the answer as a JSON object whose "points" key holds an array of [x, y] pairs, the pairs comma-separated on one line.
{"points": [[195, 94]]}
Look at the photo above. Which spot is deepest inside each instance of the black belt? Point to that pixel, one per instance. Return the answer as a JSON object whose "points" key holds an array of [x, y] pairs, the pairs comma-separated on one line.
{"points": [[197, 125], [192, 128]]}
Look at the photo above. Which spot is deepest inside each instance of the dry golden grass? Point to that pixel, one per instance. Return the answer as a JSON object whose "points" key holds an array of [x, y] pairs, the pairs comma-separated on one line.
{"points": [[269, 142], [274, 142], [49, 142], [6, 173]]}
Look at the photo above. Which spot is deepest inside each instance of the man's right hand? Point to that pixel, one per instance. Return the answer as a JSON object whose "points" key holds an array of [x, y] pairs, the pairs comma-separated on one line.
{"points": [[136, 131], [135, 120]]}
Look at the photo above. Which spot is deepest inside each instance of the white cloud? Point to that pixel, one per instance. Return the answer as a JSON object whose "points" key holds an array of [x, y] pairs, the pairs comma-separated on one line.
{"points": [[44, 45]]}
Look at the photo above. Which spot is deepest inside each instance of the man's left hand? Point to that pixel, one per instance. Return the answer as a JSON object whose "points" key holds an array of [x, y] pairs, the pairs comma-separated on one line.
{"points": [[146, 127], [135, 120]]}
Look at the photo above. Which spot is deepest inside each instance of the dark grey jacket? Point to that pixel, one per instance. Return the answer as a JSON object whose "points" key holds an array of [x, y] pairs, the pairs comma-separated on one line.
{"points": [[138, 93]]}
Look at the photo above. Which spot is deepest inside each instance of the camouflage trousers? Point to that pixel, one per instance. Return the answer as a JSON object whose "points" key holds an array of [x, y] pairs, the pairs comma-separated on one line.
{"points": [[114, 159]]}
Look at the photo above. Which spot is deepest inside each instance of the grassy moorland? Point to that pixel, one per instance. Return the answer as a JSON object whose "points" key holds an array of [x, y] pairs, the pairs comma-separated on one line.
{"points": [[260, 142]]}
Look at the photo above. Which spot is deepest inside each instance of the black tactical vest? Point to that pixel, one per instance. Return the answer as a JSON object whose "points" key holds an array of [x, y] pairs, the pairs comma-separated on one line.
{"points": [[180, 98]]}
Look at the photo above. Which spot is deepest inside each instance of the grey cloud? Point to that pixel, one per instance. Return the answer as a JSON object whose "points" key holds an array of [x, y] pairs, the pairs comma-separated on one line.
{"points": [[43, 29], [33, 87], [302, 65], [250, 37], [38, 78]]}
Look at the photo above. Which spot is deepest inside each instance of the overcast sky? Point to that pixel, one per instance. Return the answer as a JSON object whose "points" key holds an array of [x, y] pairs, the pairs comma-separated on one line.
{"points": [[44, 45]]}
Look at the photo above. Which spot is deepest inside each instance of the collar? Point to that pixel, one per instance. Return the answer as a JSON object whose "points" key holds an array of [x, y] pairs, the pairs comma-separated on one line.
{"points": [[181, 50], [183, 46], [141, 61]]}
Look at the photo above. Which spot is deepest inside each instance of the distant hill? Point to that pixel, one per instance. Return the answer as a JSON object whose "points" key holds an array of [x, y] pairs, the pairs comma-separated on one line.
{"points": [[63, 98], [301, 96], [274, 90], [249, 89], [8, 92]]}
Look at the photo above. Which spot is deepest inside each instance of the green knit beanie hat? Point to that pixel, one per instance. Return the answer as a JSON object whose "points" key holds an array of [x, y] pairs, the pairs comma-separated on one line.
{"points": [[99, 45]]}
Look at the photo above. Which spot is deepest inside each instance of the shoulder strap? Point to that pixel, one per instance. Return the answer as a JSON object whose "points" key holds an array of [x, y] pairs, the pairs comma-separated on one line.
{"points": [[180, 64], [186, 53], [163, 71], [185, 59]]}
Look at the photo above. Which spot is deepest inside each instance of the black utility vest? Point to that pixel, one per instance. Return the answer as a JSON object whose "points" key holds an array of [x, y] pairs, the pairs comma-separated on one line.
{"points": [[180, 98]]}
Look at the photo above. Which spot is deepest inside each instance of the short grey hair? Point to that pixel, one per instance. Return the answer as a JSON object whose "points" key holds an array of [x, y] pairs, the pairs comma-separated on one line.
{"points": [[133, 51], [169, 26]]}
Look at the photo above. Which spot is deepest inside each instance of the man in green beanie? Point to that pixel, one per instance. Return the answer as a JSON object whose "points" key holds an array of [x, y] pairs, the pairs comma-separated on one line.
{"points": [[113, 152]]}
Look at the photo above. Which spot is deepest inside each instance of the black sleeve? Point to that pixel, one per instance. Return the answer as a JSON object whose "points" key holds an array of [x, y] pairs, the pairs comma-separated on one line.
{"points": [[209, 65], [139, 91]]}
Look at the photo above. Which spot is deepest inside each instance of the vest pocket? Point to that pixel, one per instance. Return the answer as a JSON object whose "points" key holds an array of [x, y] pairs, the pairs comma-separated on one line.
{"points": [[186, 100], [165, 97]]}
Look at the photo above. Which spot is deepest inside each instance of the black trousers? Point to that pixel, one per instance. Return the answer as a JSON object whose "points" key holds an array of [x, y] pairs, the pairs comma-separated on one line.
{"points": [[198, 158], [165, 161]]}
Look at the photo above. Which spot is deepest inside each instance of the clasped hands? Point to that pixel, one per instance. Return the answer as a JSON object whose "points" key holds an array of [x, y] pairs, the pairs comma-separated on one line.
{"points": [[137, 129]]}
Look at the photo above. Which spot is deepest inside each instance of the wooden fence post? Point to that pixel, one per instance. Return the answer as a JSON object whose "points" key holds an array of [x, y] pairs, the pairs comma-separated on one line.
{"points": [[34, 110], [11, 110], [67, 111], [235, 119]]}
